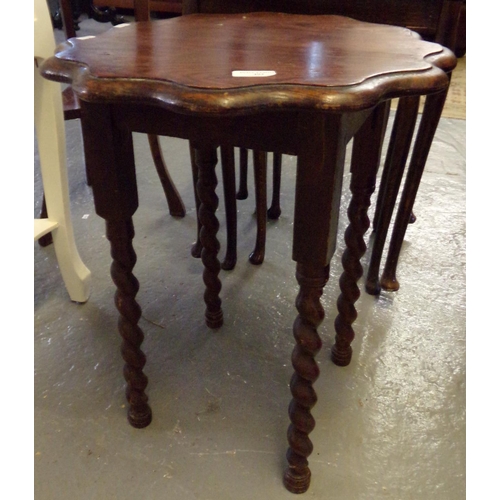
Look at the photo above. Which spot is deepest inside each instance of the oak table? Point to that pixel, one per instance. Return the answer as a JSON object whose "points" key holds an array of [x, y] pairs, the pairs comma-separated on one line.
{"points": [[299, 85]]}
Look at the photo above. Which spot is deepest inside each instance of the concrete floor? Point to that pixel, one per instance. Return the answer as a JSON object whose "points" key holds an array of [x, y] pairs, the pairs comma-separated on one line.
{"points": [[389, 426]]}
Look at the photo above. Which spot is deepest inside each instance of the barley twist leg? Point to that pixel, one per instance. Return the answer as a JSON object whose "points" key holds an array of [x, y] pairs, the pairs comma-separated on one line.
{"points": [[206, 160], [120, 235], [353, 270], [311, 280], [364, 164]]}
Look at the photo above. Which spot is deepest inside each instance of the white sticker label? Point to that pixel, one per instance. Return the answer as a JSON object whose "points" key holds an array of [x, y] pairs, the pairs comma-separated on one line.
{"points": [[253, 74]]}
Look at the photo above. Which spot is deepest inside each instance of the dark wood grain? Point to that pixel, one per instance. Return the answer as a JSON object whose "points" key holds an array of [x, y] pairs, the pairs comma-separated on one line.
{"points": [[367, 149], [242, 193], [260, 174], [436, 20], [312, 280], [430, 119], [229, 184], [397, 154], [179, 79], [312, 109], [206, 159], [275, 209]]}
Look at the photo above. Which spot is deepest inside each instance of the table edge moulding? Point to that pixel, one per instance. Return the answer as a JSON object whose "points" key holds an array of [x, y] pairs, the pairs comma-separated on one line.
{"points": [[238, 96]]}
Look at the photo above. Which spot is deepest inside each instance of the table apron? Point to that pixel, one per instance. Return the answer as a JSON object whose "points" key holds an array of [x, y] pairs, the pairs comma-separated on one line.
{"points": [[318, 139], [280, 132]]}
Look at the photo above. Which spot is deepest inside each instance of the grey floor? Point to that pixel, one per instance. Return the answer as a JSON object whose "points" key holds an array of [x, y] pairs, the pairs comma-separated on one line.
{"points": [[389, 426]]}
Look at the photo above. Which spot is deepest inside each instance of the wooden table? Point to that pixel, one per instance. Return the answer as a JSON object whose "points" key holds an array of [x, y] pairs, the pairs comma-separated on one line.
{"points": [[327, 79]]}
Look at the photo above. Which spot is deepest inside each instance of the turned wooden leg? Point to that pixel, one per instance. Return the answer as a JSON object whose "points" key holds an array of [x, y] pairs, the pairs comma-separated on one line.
{"points": [[260, 173], [353, 270], [229, 182], [430, 118], [397, 154], [365, 160], [242, 193], [312, 280], [196, 247], [320, 167], [206, 160], [120, 235], [274, 211], [174, 200], [109, 157]]}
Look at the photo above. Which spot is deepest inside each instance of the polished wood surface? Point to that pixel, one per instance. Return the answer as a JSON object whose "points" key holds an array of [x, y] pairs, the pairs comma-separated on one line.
{"points": [[436, 20], [209, 50], [314, 106]]}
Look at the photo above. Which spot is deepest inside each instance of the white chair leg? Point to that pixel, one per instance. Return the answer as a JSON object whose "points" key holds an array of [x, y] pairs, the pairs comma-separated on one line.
{"points": [[49, 126]]}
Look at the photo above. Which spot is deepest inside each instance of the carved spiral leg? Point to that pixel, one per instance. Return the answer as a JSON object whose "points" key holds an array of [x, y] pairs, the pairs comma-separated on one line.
{"points": [[312, 280], [120, 235], [206, 159], [274, 211], [365, 161], [353, 270], [242, 193]]}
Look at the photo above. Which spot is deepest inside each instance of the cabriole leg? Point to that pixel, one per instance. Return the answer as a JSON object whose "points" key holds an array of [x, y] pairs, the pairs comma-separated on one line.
{"points": [[397, 155], [428, 124]]}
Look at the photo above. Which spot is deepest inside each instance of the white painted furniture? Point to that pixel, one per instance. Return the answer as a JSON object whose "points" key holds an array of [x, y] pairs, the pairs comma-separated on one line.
{"points": [[50, 133]]}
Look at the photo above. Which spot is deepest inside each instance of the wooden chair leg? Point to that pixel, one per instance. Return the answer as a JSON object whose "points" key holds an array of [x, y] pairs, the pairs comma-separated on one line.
{"points": [[428, 124], [397, 155], [242, 193], [175, 204], [275, 210]]}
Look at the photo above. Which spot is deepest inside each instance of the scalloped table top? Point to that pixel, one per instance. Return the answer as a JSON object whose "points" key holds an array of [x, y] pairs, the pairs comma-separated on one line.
{"points": [[197, 54]]}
